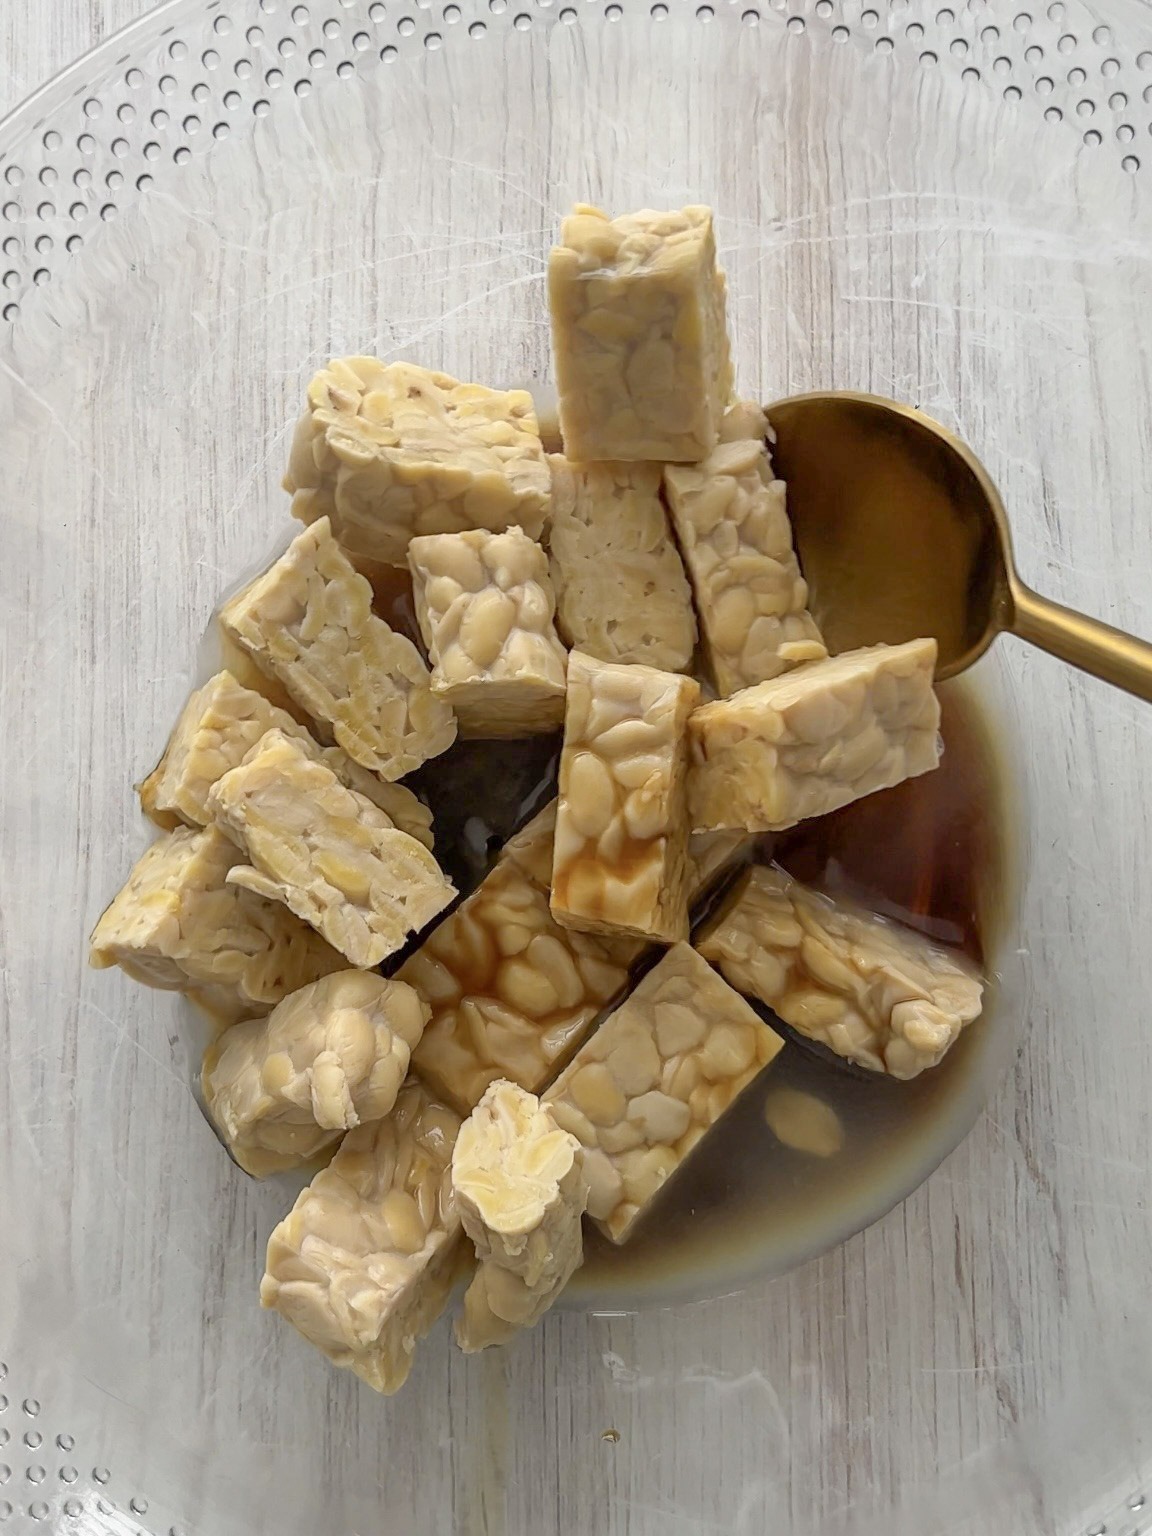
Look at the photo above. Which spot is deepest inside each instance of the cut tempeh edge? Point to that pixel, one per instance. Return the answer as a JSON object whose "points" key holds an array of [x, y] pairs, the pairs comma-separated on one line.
{"points": [[485, 606], [309, 621], [512, 993], [390, 450], [219, 726], [520, 1189], [815, 738], [639, 333], [872, 990], [731, 519], [531, 847], [652, 1081], [178, 925], [281, 1090], [326, 852], [621, 853], [621, 591], [364, 1263]]}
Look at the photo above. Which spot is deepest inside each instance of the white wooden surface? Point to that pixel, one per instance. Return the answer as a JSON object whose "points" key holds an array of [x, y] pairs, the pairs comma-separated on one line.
{"points": [[36, 41], [982, 1354]]}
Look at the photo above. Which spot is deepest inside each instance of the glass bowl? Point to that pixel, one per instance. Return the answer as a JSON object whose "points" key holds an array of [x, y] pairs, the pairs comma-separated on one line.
{"points": [[947, 205]]}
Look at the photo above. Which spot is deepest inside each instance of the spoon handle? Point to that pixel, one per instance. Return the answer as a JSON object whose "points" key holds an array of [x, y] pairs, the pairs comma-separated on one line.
{"points": [[1086, 643]]}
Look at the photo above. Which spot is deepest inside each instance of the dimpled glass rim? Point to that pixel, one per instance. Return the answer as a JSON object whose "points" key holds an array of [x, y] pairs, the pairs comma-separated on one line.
{"points": [[163, 92]]}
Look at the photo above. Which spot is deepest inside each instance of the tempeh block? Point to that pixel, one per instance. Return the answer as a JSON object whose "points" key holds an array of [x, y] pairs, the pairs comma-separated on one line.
{"points": [[873, 991], [179, 926], [621, 855], [365, 1261], [326, 852], [732, 523], [329, 1057], [639, 334], [512, 993], [390, 450], [229, 655], [621, 591], [520, 1189], [309, 621], [219, 726], [815, 738], [654, 1079], [531, 847], [485, 606]]}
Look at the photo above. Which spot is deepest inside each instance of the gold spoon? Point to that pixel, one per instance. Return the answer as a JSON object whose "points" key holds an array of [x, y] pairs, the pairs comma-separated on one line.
{"points": [[901, 533]]}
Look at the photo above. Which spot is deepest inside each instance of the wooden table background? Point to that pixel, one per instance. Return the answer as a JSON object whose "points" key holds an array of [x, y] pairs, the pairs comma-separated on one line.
{"points": [[994, 1328], [37, 40]]}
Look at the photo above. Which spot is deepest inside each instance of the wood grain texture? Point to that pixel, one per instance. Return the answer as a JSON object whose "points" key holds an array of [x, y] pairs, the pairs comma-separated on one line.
{"points": [[980, 1352], [37, 41]]}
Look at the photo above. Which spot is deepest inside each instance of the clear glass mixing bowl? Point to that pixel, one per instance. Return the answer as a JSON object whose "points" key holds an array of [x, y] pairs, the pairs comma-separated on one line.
{"points": [[947, 205]]}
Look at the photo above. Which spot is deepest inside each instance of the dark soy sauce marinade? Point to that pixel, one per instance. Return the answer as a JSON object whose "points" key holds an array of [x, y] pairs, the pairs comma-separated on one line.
{"points": [[927, 853]]}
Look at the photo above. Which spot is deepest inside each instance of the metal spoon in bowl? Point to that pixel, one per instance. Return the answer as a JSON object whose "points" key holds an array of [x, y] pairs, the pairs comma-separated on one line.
{"points": [[901, 533]]}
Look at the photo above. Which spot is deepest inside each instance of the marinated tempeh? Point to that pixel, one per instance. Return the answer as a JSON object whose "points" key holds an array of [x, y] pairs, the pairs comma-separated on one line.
{"points": [[654, 1079], [621, 591], [732, 523], [365, 1261], [281, 1090], [815, 739], [179, 926], [639, 335], [531, 847], [713, 855], [309, 621], [485, 606], [621, 854], [512, 993], [390, 450], [520, 1189], [219, 726], [229, 656], [869, 989], [326, 852]]}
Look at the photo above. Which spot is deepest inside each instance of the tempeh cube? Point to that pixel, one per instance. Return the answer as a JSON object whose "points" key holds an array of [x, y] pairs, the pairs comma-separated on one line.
{"points": [[219, 726], [654, 1079], [389, 450], [179, 926], [485, 606], [309, 620], [283, 1089], [326, 852], [520, 1189], [815, 738], [228, 655], [512, 993], [711, 857], [365, 1261], [869, 989], [732, 523], [531, 847], [621, 591], [639, 333], [621, 855]]}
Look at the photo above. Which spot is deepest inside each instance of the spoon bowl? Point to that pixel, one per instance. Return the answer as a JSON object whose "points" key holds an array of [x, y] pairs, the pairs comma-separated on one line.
{"points": [[901, 533]]}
